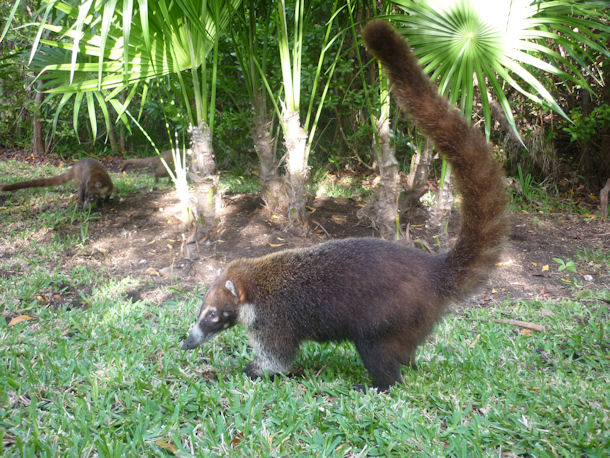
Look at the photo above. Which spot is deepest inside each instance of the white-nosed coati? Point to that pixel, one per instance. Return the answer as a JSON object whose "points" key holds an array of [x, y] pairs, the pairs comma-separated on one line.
{"points": [[155, 161], [383, 296], [92, 181]]}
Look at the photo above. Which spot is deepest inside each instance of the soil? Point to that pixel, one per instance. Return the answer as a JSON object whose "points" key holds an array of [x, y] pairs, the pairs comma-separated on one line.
{"points": [[140, 236]]}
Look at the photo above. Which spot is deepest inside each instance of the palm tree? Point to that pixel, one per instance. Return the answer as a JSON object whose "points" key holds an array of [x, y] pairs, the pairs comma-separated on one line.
{"points": [[298, 136], [107, 52], [483, 46]]}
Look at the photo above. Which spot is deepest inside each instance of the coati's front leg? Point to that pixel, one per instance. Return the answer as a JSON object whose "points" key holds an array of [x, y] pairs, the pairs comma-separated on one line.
{"points": [[270, 357]]}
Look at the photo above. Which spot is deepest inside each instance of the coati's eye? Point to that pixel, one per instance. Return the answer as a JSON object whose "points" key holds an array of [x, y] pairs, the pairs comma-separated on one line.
{"points": [[212, 314]]}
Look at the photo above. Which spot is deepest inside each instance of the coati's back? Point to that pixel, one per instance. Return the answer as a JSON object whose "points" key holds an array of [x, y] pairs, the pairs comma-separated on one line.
{"points": [[344, 288], [159, 169]]}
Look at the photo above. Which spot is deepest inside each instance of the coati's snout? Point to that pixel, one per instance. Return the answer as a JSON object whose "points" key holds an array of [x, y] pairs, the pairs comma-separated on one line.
{"points": [[219, 312]]}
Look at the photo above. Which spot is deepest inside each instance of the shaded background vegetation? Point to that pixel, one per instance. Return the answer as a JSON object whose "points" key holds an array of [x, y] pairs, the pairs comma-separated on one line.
{"points": [[559, 153]]}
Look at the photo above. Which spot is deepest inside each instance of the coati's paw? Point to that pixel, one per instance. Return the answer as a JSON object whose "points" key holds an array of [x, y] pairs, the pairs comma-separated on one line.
{"points": [[253, 371], [366, 389]]}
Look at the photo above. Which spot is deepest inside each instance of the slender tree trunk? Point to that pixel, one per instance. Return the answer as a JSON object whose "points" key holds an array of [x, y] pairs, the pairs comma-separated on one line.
{"points": [[38, 139], [111, 134], [417, 180], [274, 190], [439, 216], [382, 209], [203, 176], [297, 169]]}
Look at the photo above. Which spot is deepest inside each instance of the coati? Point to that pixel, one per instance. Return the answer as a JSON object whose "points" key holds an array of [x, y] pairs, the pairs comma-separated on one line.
{"points": [[383, 296], [154, 161], [92, 181]]}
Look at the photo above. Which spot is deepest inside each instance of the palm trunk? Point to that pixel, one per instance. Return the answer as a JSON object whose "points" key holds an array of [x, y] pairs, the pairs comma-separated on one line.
{"points": [[111, 135], [382, 209], [417, 180], [439, 216], [38, 139], [297, 170], [273, 189], [204, 177]]}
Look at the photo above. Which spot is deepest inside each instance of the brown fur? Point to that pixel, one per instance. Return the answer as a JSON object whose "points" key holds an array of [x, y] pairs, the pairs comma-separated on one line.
{"points": [[155, 161], [383, 296], [91, 178]]}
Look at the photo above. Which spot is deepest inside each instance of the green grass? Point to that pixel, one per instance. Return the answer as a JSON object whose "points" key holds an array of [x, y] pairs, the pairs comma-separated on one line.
{"points": [[111, 379], [103, 375]]}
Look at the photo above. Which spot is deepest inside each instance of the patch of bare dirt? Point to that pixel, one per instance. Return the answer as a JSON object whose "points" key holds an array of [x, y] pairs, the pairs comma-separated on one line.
{"points": [[140, 236]]}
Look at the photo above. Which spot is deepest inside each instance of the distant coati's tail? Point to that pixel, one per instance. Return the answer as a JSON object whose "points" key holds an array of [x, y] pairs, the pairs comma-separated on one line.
{"points": [[477, 176], [39, 183]]}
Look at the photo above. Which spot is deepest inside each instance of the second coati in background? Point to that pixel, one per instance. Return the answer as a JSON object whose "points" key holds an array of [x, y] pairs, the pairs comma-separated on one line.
{"points": [[155, 162], [383, 296], [93, 183]]}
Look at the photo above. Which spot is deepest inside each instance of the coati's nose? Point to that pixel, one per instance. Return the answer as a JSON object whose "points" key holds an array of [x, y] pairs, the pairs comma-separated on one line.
{"points": [[193, 340]]}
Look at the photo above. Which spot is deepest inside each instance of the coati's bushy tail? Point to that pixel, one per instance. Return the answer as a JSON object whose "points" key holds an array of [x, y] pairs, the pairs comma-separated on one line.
{"points": [[478, 177], [39, 183]]}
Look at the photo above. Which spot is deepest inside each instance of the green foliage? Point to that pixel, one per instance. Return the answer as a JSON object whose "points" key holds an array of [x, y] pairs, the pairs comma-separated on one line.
{"points": [[563, 265], [586, 127]]}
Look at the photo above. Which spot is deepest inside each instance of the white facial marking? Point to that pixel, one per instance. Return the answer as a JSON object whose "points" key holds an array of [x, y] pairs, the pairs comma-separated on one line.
{"points": [[246, 315], [196, 332], [205, 313], [225, 314]]}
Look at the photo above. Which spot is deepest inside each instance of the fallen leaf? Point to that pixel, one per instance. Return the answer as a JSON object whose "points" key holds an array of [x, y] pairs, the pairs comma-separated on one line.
{"points": [[170, 246], [151, 242], [545, 268], [19, 319], [151, 271], [237, 439], [494, 290], [167, 446], [338, 219], [42, 299], [525, 332], [474, 342], [535, 264], [102, 250], [275, 245], [546, 312]]}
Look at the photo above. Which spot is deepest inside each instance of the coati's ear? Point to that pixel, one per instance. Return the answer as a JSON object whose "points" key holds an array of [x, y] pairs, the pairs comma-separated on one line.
{"points": [[218, 272], [231, 287]]}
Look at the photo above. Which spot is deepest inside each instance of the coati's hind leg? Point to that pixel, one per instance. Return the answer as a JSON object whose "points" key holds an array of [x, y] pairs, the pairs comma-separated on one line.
{"points": [[383, 358]]}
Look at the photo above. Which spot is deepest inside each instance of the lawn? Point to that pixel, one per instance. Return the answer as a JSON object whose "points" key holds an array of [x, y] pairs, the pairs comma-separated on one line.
{"points": [[103, 373]]}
